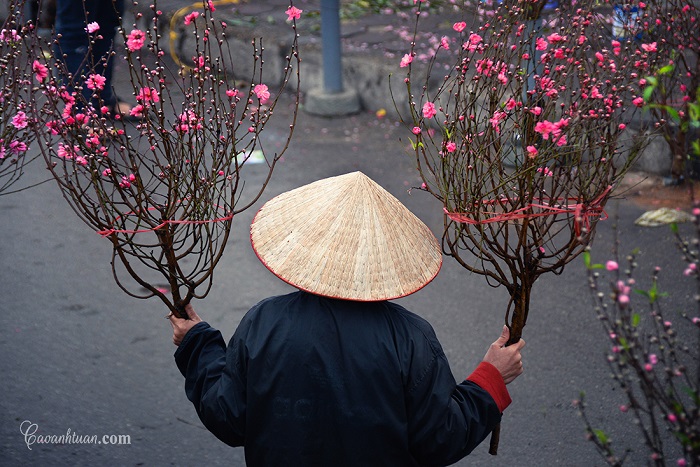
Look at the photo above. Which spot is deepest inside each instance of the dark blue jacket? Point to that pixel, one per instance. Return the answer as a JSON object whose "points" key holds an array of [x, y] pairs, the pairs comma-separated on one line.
{"points": [[313, 381]]}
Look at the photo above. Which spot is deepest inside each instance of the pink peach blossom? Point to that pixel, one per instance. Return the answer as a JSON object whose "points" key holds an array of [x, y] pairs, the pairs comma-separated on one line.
{"points": [[459, 27], [20, 120], [429, 110], [191, 17], [41, 72], [293, 13], [95, 82], [135, 40], [262, 92]]}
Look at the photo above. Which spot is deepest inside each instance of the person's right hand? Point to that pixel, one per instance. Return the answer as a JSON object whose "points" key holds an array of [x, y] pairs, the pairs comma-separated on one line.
{"points": [[507, 360]]}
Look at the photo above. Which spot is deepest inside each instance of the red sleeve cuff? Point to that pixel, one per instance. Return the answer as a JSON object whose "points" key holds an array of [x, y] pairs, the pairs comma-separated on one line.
{"points": [[488, 378]]}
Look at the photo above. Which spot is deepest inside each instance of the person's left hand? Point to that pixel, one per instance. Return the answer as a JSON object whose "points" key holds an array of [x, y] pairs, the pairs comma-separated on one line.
{"points": [[182, 326]]}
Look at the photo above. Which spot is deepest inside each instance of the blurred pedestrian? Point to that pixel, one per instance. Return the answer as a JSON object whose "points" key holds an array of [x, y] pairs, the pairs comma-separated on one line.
{"points": [[76, 23], [335, 374]]}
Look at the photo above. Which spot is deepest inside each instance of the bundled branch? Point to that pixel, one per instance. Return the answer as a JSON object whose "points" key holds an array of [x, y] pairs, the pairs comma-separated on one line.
{"points": [[165, 183], [523, 139]]}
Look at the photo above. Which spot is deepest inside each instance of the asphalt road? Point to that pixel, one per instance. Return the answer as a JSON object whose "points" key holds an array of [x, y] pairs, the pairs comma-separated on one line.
{"points": [[80, 355]]}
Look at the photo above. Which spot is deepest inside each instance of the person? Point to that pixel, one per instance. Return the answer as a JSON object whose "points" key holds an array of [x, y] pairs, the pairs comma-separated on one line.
{"points": [[336, 374], [79, 59]]}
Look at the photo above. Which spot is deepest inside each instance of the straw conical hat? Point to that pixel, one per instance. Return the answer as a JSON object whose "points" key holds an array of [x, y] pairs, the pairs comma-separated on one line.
{"points": [[345, 237]]}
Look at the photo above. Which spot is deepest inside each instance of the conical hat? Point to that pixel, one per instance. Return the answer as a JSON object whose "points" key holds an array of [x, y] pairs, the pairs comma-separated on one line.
{"points": [[345, 237]]}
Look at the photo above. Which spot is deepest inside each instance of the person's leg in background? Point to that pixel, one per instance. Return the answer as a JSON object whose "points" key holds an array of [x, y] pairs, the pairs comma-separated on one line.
{"points": [[73, 44]]}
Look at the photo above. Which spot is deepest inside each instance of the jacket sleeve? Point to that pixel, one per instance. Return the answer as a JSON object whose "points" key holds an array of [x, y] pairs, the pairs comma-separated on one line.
{"points": [[212, 383], [448, 420]]}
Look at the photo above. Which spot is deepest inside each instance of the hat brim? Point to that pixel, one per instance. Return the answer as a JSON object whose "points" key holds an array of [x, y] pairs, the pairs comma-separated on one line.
{"points": [[345, 237]]}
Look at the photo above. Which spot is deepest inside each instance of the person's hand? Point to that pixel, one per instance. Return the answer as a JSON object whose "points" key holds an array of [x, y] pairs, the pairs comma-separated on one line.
{"points": [[182, 326], [507, 360]]}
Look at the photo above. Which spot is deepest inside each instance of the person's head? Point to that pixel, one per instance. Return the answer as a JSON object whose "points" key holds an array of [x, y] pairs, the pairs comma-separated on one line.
{"points": [[345, 237]]}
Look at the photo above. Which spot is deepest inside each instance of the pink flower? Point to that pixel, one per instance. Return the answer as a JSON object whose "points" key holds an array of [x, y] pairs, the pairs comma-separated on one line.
{"points": [[445, 43], [125, 183], [293, 13], [531, 152], [9, 35], [541, 44], [536, 110], [649, 47], [65, 151], [544, 128], [622, 126], [623, 299], [416, 130], [135, 40], [95, 82], [545, 171], [459, 27], [106, 172], [556, 37], [595, 93], [210, 4], [612, 265], [511, 104], [191, 17], [473, 41], [429, 110], [20, 120], [451, 146], [148, 95], [653, 359], [639, 101], [408, 58], [92, 27], [18, 147], [137, 111], [40, 70], [496, 120], [262, 92], [232, 92]]}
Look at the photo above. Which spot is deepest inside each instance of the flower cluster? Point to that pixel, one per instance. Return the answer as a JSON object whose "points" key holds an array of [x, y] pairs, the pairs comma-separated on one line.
{"points": [[666, 52], [17, 43]]}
